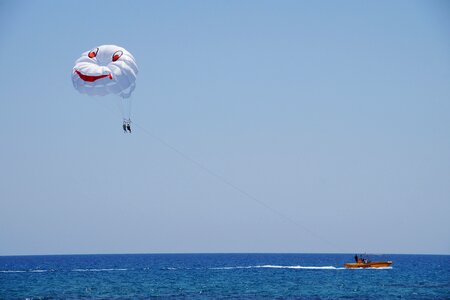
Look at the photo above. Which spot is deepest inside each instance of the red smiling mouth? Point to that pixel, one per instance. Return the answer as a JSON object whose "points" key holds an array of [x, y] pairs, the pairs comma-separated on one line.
{"points": [[92, 78]]}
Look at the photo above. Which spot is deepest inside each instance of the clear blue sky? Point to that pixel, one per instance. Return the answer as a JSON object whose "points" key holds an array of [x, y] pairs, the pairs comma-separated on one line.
{"points": [[334, 113]]}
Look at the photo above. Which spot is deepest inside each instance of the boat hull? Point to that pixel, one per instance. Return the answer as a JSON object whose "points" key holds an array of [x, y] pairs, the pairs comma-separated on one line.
{"points": [[373, 264]]}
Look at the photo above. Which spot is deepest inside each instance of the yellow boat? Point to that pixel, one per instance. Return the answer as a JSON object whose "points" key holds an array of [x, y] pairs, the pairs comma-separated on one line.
{"points": [[369, 264]]}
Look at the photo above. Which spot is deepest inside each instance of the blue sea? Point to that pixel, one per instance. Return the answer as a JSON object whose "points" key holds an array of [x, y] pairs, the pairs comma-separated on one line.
{"points": [[221, 276]]}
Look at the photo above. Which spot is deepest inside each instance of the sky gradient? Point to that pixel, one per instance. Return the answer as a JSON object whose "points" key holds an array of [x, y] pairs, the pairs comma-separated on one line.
{"points": [[335, 115]]}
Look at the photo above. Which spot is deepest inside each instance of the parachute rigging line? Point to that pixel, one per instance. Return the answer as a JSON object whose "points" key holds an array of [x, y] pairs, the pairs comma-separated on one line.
{"points": [[227, 182], [232, 185]]}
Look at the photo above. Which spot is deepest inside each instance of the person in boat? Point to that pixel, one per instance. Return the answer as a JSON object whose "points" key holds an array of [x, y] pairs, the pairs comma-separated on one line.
{"points": [[356, 258], [362, 259]]}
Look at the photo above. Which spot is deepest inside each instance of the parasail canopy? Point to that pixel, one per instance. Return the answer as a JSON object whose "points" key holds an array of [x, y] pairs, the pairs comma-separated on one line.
{"points": [[104, 70]]}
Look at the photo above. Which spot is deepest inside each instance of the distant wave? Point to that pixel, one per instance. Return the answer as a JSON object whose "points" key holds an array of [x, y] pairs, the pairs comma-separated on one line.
{"points": [[12, 271], [98, 270], [28, 271], [167, 268], [74, 270]]}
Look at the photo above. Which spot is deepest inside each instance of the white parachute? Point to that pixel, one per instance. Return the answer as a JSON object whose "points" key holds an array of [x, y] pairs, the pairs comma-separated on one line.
{"points": [[105, 70]]}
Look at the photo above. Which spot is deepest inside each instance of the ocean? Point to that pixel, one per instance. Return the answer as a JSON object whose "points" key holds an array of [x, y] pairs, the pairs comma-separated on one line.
{"points": [[221, 276]]}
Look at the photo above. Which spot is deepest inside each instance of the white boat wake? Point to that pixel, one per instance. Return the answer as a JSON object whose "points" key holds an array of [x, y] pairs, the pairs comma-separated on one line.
{"points": [[280, 267]]}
